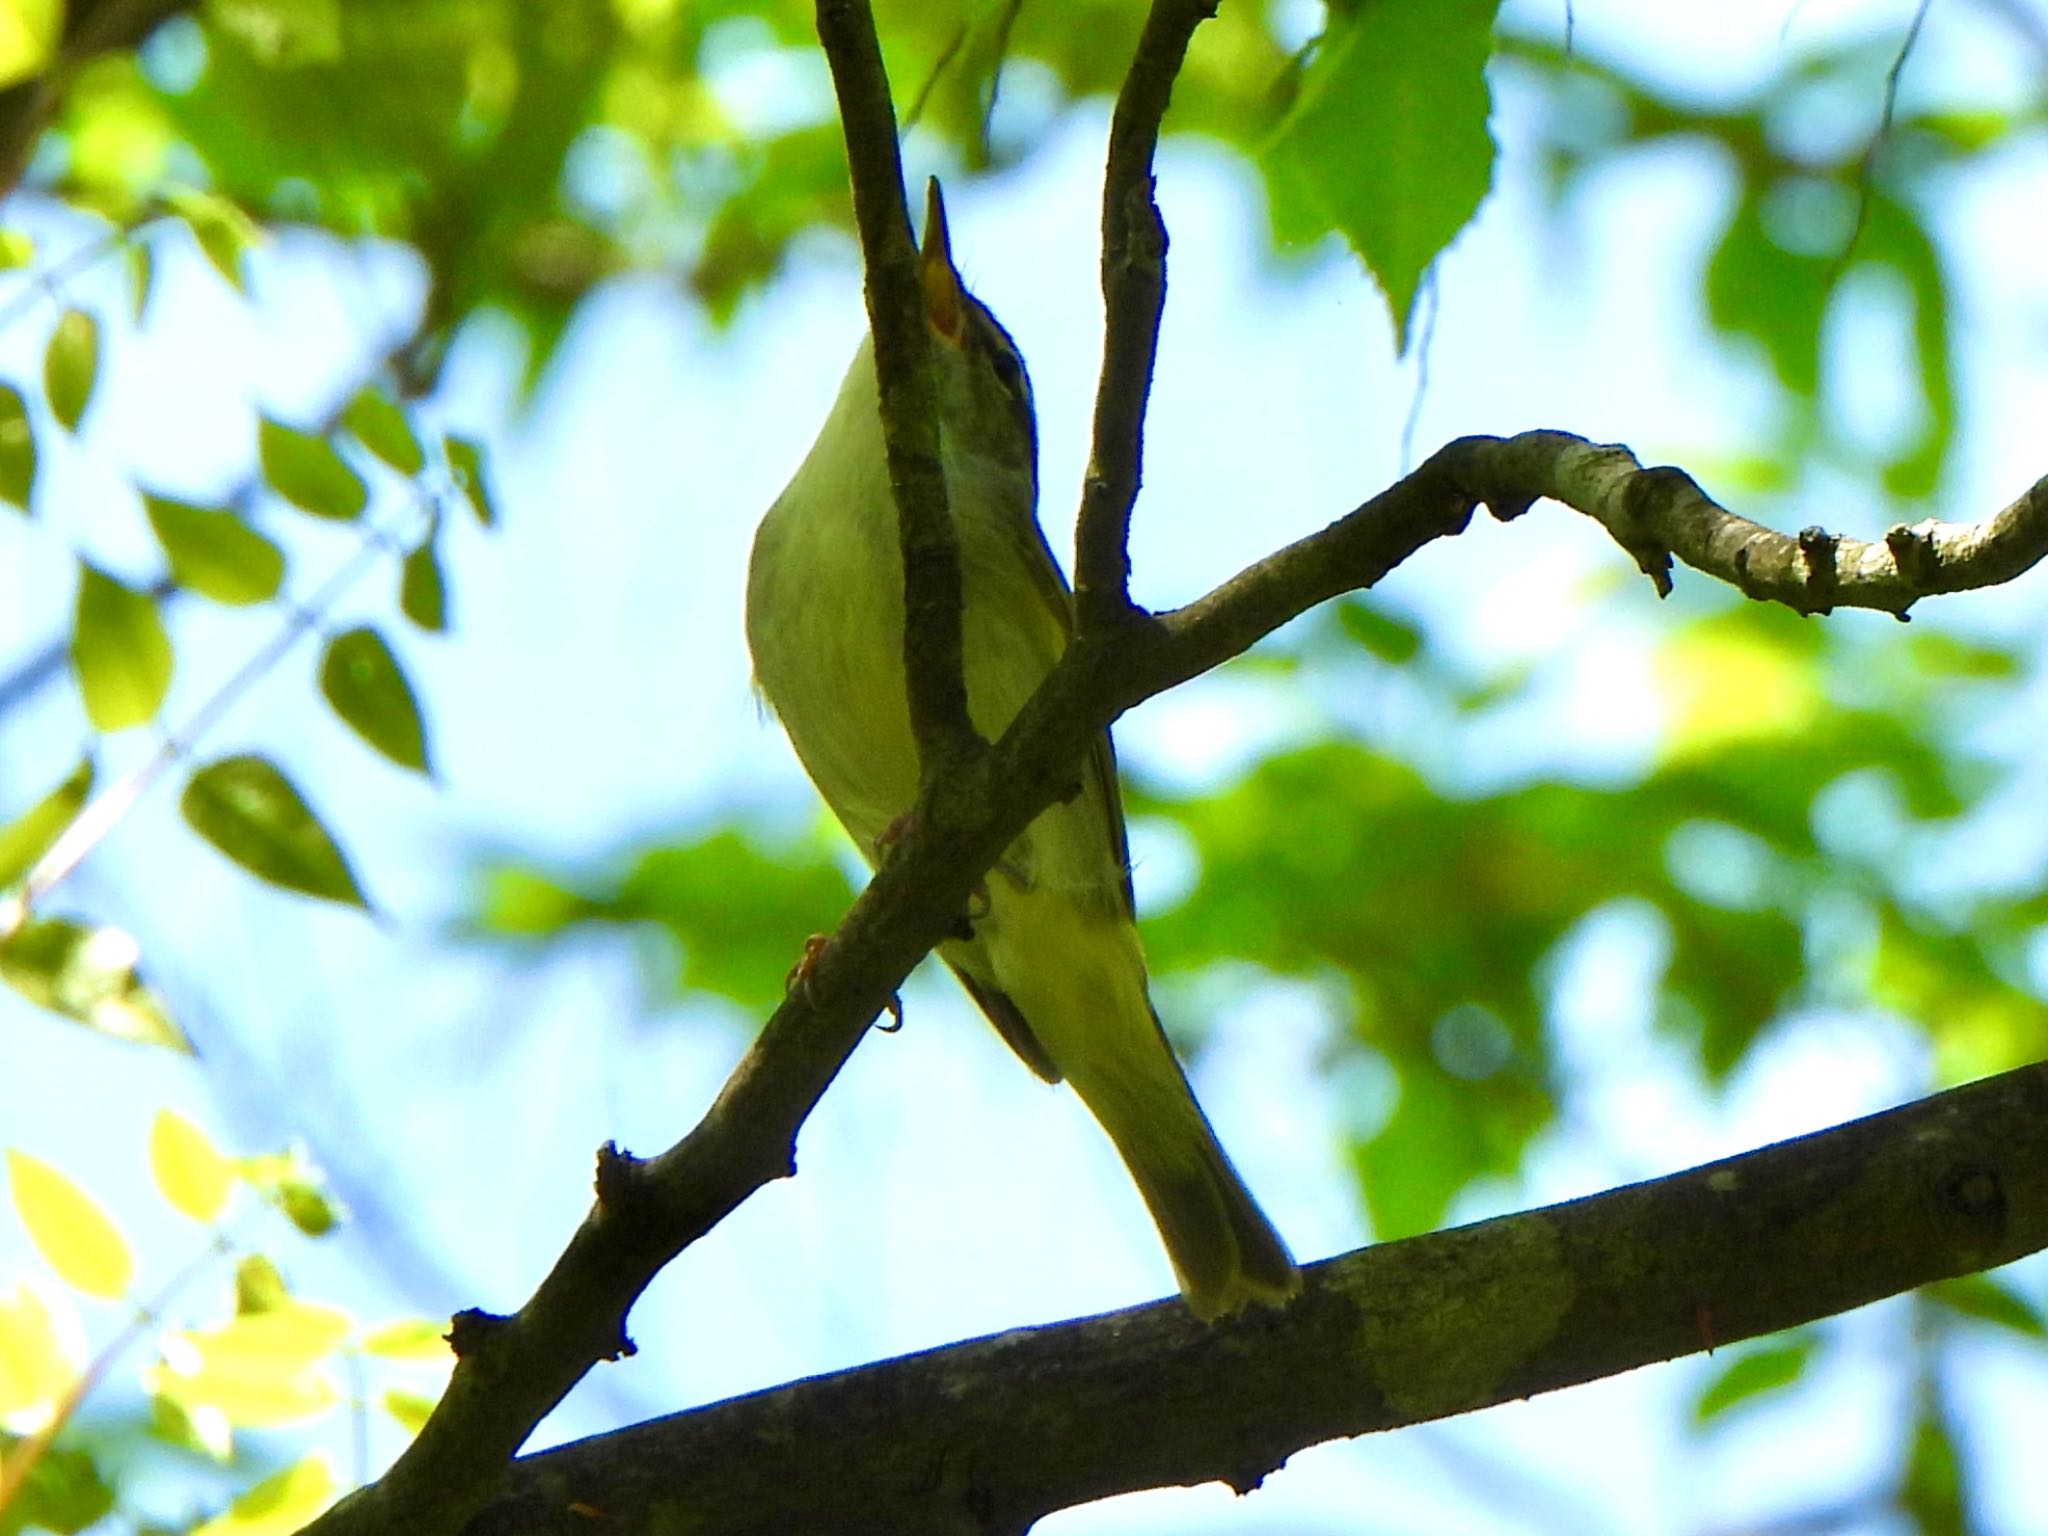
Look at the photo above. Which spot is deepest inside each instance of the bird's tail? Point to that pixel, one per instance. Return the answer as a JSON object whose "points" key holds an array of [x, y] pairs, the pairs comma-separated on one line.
{"points": [[1224, 1251]]}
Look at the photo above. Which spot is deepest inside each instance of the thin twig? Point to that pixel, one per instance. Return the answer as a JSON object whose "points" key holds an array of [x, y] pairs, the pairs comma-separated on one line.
{"points": [[1133, 297], [932, 592]]}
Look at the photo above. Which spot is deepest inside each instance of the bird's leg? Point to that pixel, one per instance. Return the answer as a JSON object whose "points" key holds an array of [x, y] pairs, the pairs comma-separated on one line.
{"points": [[800, 974]]}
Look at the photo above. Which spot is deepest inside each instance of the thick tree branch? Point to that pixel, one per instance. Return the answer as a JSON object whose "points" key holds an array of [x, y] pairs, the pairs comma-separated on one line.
{"points": [[1133, 298], [932, 593], [989, 1435]]}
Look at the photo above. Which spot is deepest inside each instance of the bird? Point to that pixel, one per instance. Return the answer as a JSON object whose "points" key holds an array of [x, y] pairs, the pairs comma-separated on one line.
{"points": [[1050, 950]]}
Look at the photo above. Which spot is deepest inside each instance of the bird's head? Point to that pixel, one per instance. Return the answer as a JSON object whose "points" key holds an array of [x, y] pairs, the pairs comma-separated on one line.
{"points": [[984, 391]]}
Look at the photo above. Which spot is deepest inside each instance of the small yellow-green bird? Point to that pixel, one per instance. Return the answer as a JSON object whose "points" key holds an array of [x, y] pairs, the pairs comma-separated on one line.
{"points": [[1053, 959]]}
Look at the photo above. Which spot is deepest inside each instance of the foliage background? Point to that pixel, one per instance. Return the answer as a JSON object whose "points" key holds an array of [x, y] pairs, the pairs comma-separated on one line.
{"points": [[1508, 885]]}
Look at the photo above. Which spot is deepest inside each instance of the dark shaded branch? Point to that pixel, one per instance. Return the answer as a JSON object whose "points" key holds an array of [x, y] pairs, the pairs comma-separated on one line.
{"points": [[989, 1435], [932, 593], [1133, 298]]}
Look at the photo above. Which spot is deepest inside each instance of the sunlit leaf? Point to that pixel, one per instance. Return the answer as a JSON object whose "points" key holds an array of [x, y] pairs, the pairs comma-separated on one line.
{"points": [[305, 470], [71, 366], [259, 1369], [1751, 1374], [215, 553], [189, 1171], [281, 1504], [466, 459], [422, 593], [420, 1340], [42, 1350], [376, 421], [1388, 143], [250, 811], [29, 836], [17, 249], [410, 1409], [120, 652], [202, 1430], [29, 30], [363, 681], [259, 1285], [75, 1237], [89, 976], [17, 450]]}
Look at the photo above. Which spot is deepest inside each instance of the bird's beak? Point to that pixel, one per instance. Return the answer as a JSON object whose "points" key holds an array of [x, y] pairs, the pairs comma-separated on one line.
{"points": [[943, 305]]}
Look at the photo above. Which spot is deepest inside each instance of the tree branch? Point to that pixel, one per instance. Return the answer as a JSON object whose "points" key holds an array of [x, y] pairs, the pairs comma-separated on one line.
{"points": [[1133, 298], [932, 593], [989, 1435]]}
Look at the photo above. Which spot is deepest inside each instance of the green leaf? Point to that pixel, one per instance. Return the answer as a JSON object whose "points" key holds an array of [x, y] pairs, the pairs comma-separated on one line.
{"points": [[69, 1228], [71, 366], [29, 836], [119, 650], [65, 1492], [1388, 143], [17, 449], [37, 1367], [1391, 639], [422, 593], [379, 425], [368, 689], [88, 975], [141, 279], [1751, 1374], [17, 250], [214, 553], [466, 459], [249, 810], [222, 229], [306, 471], [1990, 1300]]}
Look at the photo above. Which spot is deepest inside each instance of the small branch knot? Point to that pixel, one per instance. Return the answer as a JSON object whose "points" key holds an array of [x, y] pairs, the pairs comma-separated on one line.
{"points": [[1818, 548], [1913, 552], [472, 1332], [621, 1179]]}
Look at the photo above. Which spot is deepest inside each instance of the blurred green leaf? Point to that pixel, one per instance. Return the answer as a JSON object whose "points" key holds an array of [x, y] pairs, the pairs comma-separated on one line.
{"points": [[87, 975], [214, 552], [65, 1492], [376, 422], [71, 1231], [306, 471], [1388, 142], [1752, 1373], [1392, 640], [29, 836], [17, 450], [1988, 1299], [1931, 1492], [422, 593], [71, 366], [224, 232], [17, 249], [362, 680], [120, 652], [739, 910], [466, 459], [250, 811]]}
